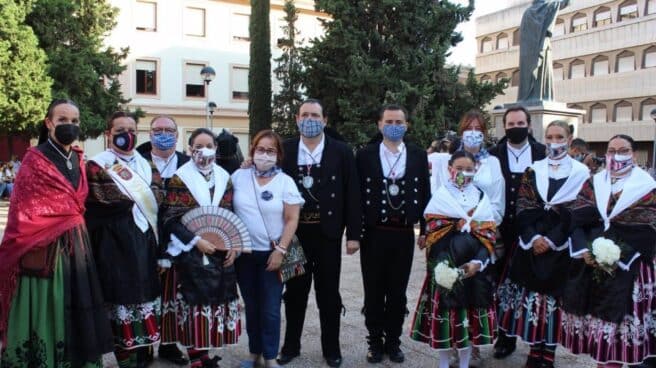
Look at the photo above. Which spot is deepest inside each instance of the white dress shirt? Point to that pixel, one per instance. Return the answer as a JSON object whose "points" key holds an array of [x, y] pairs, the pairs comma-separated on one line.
{"points": [[166, 166], [393, 163], [307, 157], [519, 159]]}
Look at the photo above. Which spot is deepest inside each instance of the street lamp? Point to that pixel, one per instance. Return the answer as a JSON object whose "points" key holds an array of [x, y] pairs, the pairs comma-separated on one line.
{"points": [[653, 156], [208, 74], [211, 107]]}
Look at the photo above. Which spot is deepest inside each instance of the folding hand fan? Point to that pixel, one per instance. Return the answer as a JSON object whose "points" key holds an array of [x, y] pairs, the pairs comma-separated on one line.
{"points": [[218, 226]]}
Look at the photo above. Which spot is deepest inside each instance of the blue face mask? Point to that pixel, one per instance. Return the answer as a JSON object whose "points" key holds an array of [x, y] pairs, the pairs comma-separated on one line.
{"points": [[394, 132], [163, 141], [310, 128]]}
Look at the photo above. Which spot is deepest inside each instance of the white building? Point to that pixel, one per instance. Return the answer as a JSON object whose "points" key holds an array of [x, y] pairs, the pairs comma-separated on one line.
{"points": [[170, 41], [604, 56]]}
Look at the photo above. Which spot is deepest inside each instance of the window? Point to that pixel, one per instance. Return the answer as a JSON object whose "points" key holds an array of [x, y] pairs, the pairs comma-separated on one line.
{"points": [[500, 76], [623, 111], [516, 38], [598, 113], [486, 79], [145, 15], [625, 62], [194, 22], [502, 41], [239, 82], [628, 10], [600, 65], [647, 106], [146, 77], [559, 28], [194, 84], [579, 22], [240, 27], [486, 45], [577, 69], [558, 72], [651, 7], [649, 60], [602, 17], [515, 79]]}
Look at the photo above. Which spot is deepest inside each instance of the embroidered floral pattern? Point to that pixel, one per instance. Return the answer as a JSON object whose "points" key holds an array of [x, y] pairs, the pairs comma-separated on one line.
{"points": [[135, 324]]}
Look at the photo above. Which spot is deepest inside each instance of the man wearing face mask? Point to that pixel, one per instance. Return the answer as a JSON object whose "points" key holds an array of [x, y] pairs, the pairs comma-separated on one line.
{"points": [[578, 149], [395, 188], [516, 151], [324, 171], [163, 156]]}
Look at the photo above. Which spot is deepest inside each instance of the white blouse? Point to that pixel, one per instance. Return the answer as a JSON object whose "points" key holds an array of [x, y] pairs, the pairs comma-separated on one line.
{"points": [[269, 224]]}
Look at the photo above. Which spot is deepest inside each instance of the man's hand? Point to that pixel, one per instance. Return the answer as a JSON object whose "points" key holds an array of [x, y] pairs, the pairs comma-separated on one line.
{"points": [[421, 242], [352, 246]]}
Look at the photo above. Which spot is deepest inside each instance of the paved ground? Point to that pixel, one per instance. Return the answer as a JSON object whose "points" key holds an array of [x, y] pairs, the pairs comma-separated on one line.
{"points": [[353, 331]]}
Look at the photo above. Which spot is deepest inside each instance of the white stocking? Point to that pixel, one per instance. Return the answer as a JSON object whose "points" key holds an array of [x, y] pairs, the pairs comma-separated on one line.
{"points": [[463, 356], [444, 358]]}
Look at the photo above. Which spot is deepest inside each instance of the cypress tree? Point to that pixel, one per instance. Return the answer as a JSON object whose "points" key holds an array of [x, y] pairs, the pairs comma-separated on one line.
{"points": [[259, 73]]}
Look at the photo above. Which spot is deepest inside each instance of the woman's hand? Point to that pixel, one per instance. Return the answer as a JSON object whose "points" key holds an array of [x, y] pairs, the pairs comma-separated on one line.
{"points": [[274, 261], [230, 258], [471, 268], [589, 259], [540, 246], [421, 242], [205, 246]]}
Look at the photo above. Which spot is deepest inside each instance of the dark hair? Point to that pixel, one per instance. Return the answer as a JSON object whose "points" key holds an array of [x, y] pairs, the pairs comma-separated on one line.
{"points": [[460, 154], [164, 117], [43, 129], [580, 144], [118, 115], [626, 138], [517, 108], [469, 116], [392, 107], [311, 101], [198, 132], [277, 142]]}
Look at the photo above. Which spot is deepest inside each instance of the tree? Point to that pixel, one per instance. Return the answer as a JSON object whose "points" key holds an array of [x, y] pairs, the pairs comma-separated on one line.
{"points": [[376, 52], [288, 72], [24, 83], [259, 72], [71, 32]]}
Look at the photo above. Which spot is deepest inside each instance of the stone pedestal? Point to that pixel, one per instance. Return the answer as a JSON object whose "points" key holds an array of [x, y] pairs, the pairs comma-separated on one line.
{"points": [[541, 115]]}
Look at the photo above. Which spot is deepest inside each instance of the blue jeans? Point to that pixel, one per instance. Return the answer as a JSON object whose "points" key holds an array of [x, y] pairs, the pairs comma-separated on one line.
{"points": [[262, 293]]}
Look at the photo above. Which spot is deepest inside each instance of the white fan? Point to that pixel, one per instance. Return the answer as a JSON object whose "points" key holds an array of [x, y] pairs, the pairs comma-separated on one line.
{"points": [[218, 226]]}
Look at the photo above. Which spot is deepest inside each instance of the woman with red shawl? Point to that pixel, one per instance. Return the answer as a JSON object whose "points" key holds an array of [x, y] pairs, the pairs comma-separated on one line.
{"points": [[51, 306]]}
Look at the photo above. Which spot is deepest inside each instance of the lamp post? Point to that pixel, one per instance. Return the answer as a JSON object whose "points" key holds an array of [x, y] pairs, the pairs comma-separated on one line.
{"points": [[208, 74], [211, 107], [653, 154]]}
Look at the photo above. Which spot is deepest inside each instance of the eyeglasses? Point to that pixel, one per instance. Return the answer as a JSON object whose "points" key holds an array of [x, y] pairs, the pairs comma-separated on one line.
{"points": [[267, 151], [163, 130], [621, 151]]}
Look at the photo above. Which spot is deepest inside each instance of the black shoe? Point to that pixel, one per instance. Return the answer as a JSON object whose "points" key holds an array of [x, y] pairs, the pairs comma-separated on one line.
{"points": [[212, 363], [334, 361], [504, 348], [284, 358], [395, 354], [647, 363], [375, 354], [144, 356], [171, 353]]}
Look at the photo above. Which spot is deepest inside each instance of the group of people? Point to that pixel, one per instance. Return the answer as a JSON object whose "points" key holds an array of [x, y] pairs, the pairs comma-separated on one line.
{"points": [[8, 172], [96, 257]]}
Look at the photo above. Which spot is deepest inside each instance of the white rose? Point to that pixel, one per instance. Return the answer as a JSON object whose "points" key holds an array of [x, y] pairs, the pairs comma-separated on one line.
{"points": [[446, 276], [605, 251]]}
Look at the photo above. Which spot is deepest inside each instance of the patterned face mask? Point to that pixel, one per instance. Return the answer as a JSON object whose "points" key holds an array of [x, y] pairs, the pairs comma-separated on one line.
{"points": [[203, 157], [472, 138], [557, 151], [618, 165], [310, 128], [394, 132], [462, 178]]}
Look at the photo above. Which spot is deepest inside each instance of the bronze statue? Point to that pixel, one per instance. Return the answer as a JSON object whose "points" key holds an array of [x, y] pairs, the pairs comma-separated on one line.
{"points": [[535, 62]]}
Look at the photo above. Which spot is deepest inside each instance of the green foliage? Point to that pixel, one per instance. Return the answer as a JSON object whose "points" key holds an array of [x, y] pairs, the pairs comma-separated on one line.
{"points": [[288, 71], [24, 84], [259, 72], [383, 51], [82, 68]]}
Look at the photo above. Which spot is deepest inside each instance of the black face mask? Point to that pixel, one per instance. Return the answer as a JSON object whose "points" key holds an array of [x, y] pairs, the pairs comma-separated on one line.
{"points": [[125, 141], [517, 135], [66, 133]]}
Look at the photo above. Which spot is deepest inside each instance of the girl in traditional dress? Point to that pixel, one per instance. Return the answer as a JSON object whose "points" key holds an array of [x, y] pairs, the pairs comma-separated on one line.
{"points": [[611, 317], [528, 304], [51, 305], [461, 231], [206, 317], [124, 192]]}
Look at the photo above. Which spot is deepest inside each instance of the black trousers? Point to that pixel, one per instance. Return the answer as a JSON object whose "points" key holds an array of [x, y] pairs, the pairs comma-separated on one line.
{"points": [[324, 257], [386, 260]]}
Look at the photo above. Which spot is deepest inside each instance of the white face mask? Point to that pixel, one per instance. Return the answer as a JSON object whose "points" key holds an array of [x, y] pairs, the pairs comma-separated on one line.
{"points": [[264, 162]]}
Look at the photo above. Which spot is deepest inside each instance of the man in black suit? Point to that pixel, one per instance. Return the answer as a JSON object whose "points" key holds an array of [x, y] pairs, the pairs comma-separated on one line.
{"points": [[516, 151], [162, 154], [395, 189], [324, 170]]}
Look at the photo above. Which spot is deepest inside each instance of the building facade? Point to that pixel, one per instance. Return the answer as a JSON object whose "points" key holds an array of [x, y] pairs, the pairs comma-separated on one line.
{"points": [[170, 41], [604, 56]]}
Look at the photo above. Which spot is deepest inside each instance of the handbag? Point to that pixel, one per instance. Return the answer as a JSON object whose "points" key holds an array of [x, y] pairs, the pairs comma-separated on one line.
{"points": [[39, 262], [293, 262]]}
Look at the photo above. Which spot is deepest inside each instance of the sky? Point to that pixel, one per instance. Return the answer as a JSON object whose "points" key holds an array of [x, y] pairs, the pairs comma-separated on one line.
{"points": [[465, 52]]}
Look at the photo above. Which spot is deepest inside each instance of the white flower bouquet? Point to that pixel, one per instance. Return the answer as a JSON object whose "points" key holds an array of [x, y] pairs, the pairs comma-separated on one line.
{"points": [[606, 253], [447, 276]]}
